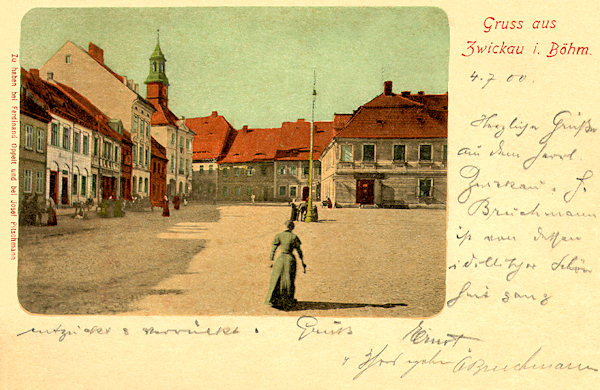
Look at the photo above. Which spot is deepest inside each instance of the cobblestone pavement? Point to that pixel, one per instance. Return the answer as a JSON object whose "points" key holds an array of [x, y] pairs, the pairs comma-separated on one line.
{"points": [[361, 262]]}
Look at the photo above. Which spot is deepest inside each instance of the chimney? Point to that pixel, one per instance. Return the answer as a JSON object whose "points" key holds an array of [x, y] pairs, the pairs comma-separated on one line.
{"points": [[387, 88], [96, 53], [136, 87], [215, 114], [405, 93], [35, 73], [245, 128], [421, 92], [50, 76]]}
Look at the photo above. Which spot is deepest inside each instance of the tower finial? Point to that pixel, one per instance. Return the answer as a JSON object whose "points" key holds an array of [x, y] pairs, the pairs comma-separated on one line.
{"points": [[158, 36]]}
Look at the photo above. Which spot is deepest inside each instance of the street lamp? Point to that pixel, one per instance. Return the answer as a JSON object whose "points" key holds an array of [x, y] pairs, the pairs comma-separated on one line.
{"points": [[309, 216]]}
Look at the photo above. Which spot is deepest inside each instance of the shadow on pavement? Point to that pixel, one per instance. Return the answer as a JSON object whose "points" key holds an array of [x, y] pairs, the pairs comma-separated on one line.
{"points": [[307, 305]]}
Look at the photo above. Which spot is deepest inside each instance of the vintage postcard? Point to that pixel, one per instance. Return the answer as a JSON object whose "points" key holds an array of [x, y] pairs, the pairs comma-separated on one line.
{"points": [[370, 195]]}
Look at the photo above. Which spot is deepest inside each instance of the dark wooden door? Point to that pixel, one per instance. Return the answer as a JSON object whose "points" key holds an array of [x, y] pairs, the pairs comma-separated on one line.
{"points": [[64, 197], [304, 194], [365, 191], [54, 186]]}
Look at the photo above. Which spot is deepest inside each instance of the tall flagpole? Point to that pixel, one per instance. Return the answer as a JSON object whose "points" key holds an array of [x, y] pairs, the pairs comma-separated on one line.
{"points": [[309, 216]]}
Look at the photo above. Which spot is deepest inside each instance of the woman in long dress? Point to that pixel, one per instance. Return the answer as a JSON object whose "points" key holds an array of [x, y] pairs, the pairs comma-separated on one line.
{"points": [[166, 207], [282, 285]]}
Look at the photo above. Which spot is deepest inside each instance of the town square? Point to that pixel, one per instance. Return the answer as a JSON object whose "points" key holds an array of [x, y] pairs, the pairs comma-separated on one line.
{"points": [[319, 185]]}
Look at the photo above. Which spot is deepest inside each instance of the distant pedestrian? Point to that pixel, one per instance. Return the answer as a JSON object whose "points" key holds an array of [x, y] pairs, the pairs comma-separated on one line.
{"points": [[166, 212], [282, 286], [329, 204], [252, 198], [176, 202], [315, 214], [294, 214], [303, 208], [51, 213]]}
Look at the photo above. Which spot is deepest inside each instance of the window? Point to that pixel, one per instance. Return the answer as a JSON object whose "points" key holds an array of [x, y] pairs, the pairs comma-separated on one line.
{"points": [[39, 182], [282, 190], [225, 172], [116, 153], [134, 183], [68, 59], [76, 144], [108, 151], [180, 164], [86, 144], [154, 66], [141, 155], [95, 146], [134, 150], [148, 129], [40, 140], [74, 185], [140, 184], [66, 138], [237, 171], [225, 192], [238, 191], [172, 138], [282, 170], [188, 144], [28, 137], [181, 142], [94, 181], [147, 161], [346, 153], [305, 170], [146, 185], [293, 171], [425, 187], [172, 167], [210, 169], [188, 166], [368, 152], [54, 134], [293, 190], [201, 170], [263, 170], [27, 180], [399, 153], [83, 185], [444, 153], [250, 171], [135, 123], [425, 153]]}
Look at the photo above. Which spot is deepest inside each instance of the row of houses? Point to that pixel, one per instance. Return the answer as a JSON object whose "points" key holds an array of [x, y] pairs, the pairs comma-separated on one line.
{"points": [[390, 152], [87, 132]]}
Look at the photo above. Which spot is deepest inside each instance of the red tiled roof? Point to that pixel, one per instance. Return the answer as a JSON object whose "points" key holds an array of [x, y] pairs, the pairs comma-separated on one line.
{"points": [[398, 116], [30, 108], [294, 142], [58, 101], [157, 150], [252, 145], [212, 135], [163, 116]]}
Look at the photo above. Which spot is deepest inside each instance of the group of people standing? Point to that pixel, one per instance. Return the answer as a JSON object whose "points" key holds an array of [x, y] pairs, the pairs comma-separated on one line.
{"points": [[298, 213]]}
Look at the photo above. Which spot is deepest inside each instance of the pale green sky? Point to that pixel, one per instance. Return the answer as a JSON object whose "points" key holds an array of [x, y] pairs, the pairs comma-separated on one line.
{"points": [[255, 65]]}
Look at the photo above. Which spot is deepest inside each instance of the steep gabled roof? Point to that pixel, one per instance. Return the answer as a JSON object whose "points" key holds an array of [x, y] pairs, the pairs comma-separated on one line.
{"points": [[91, 109], [63, 101], [294, 142], [251, 145], [30, 108], [213, 136]]}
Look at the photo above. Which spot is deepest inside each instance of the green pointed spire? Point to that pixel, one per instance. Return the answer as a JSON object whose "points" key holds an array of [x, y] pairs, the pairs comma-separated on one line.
{"points": [[157, 65]]}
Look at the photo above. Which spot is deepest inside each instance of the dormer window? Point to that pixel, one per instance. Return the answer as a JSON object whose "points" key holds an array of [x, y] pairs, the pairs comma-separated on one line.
{"points": [[68, 59]]}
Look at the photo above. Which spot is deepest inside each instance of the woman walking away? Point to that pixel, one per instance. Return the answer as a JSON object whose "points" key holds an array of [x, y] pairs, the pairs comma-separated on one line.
{"points": [[282, 285]]}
